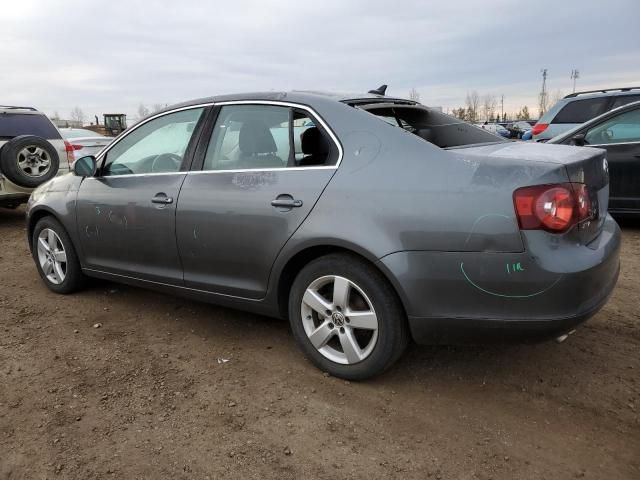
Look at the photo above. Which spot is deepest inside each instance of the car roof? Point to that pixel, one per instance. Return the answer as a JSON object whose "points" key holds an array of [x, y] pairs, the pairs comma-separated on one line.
{"points": [[21, 110], [605, 92], [296, 96]]}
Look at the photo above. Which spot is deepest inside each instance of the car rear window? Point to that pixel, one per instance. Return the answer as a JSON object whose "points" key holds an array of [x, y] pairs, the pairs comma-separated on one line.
{"points": [[580, 111], [14, 124]]}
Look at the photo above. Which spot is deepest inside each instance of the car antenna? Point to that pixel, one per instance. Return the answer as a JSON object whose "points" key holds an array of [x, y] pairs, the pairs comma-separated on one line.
{"points": [[379, 91]]}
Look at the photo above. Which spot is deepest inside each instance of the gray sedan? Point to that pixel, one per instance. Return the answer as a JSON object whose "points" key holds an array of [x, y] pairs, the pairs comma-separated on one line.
{"points": [[365, 220]]}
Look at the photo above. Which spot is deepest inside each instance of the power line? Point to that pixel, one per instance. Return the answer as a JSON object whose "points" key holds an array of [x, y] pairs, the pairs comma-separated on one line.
{"points": [[575, 74], [543, 93]]}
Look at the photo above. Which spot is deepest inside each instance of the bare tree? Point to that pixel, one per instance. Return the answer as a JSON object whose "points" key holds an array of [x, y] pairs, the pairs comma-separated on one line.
{"points": [[142, 111], [77, 115], [523, 114], [472, 101], [460, 113], [56, 116], [414, 95], [489, 103], [557, 95], [157, 107]]}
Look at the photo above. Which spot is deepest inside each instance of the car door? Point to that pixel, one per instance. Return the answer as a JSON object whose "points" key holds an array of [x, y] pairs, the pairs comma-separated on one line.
{"points": [[126, 213], [620, 136], [249, 194]]}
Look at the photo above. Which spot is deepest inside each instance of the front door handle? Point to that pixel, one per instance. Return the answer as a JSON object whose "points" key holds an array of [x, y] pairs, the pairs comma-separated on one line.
{"points": [[286, 203], [162, 199]]}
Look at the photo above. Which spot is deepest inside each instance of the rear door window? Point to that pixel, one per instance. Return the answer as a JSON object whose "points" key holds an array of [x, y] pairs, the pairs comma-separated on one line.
{"points": [[580, 111], [623, 100], [264, 137], [14, 124]]}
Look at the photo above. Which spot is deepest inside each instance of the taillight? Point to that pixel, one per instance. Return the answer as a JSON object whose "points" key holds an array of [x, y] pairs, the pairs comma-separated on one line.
{"points": [[554, 208], [69, 149], [538, 128]]}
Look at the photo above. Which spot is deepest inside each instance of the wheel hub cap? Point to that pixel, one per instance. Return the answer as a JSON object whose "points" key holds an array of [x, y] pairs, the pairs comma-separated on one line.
{"points": [[339, 319], [52, 256], [34, 161]]}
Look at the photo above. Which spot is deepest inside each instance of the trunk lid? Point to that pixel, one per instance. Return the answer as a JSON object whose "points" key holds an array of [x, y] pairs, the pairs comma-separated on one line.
{"points": [[582, 165]]}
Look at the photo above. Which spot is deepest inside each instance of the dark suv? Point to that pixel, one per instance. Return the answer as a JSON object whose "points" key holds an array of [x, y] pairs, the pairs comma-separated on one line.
{"points": [[31, 150], [579, 107]]}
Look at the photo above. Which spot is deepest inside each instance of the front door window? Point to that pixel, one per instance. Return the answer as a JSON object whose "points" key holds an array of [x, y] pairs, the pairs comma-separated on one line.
{"points": [[623, 128], [158, 146]]}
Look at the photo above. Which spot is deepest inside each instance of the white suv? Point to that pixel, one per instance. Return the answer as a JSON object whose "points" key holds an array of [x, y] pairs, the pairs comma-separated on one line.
{"points": [[32, 151], [579, 107]]}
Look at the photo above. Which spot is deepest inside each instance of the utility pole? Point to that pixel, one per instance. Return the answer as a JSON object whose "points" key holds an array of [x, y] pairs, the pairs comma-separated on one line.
{"points": [[543, 93], [502, 106], [575, 74]]}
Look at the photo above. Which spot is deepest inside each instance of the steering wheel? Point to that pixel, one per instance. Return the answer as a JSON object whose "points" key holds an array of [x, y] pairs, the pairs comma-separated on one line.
{"points": [[607, 134], [166, 162]]}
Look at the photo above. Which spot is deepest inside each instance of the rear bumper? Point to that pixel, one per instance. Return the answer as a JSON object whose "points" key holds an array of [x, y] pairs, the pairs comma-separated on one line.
{"points": [[453, 297], [13, 199], [8, 188], [487, 330]]}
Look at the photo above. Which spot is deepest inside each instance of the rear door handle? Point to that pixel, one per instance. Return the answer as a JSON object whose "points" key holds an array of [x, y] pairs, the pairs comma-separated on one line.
{"points": [[162, 199], [286, 203]]}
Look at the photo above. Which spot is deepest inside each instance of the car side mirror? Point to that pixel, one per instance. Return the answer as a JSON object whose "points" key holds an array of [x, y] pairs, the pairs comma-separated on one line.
{"points": [[578, 140], [85, 166]]}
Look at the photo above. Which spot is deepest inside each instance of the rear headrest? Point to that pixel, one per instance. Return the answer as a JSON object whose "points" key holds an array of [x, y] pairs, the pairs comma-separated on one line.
{"points": [[255, 137], [313, 142]]}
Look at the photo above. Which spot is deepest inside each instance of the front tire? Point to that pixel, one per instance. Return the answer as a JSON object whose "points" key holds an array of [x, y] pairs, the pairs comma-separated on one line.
{"points": [[55, 257], [346, 317]]}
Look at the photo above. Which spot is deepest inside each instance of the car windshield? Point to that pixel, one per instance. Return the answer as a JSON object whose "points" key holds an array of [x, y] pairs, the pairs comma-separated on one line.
{"points": [[78, 132]]}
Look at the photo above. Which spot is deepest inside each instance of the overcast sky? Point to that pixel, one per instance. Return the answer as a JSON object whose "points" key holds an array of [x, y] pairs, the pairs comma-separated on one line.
{"points": [[113, 55]]}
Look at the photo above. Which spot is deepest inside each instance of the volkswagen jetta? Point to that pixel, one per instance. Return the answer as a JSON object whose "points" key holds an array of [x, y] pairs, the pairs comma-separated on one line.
{"points": [[365, 220]]}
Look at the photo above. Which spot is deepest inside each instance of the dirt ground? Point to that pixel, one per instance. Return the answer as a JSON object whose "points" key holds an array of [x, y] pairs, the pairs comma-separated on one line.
{"points": [[150, 393]]}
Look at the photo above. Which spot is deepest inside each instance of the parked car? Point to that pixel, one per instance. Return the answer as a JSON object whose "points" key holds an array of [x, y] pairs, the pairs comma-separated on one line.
{"points": [[580, 107], [519, 128], [32, 151], [363, 234], [85, 142], [528, 135], [617, 132], [495, 128]]}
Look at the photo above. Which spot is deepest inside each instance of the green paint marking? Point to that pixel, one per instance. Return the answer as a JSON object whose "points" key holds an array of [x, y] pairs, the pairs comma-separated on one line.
{"points": [[495, 294]]}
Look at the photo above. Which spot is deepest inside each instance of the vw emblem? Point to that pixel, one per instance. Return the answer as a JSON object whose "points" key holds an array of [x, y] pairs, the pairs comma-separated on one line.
{"points": [[338, 319]]}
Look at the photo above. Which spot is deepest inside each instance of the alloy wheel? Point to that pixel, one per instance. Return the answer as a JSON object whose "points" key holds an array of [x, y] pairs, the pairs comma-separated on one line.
{"points": [[52, 256], [34, 161], [339, 319]]}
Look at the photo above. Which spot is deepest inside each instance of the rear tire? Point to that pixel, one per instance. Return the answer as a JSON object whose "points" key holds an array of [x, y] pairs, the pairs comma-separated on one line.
{"points": [[29, 161], [55, 257], [346, 317]]}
